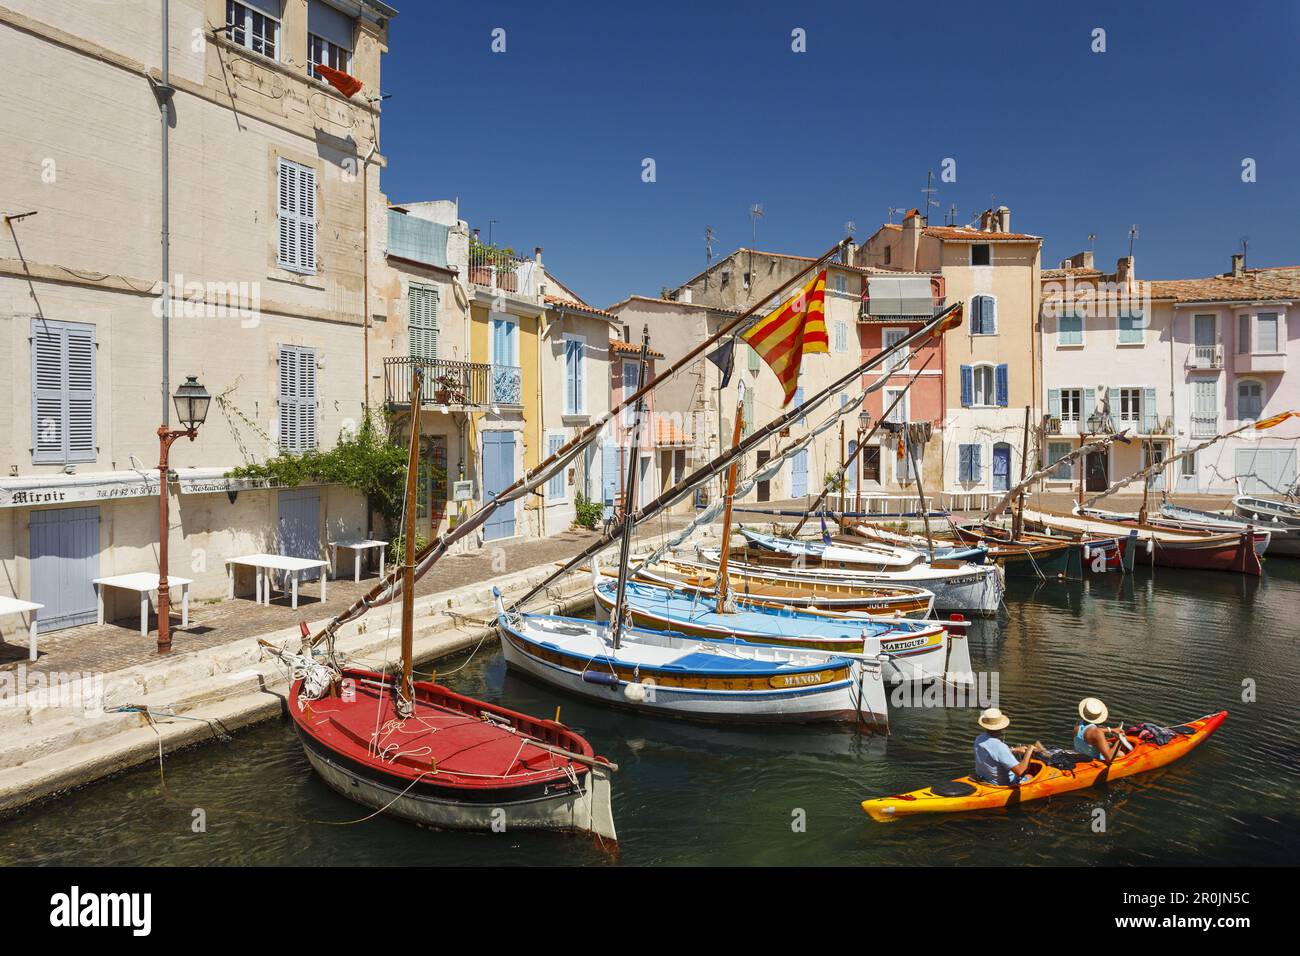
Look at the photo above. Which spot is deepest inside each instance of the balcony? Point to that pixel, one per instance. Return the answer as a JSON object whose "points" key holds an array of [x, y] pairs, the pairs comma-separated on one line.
{"points": [[1205, 426], [905, 313], [1205, 356], [499, 270], [1257, 362], [458, 385]]}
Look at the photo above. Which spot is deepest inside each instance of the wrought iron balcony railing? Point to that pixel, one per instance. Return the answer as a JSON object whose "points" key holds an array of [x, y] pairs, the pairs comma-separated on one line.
{"points": [[448, 383], [500, 271], [1205, 356]]}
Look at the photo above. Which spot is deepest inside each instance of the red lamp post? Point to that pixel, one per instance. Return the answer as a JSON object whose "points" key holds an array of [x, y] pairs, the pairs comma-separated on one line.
{"points": [[191, 401]]}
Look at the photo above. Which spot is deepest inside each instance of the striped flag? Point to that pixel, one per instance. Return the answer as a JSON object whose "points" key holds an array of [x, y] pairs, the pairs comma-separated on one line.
{"points": [[796, 328], [1275, 420], [951, 322]]}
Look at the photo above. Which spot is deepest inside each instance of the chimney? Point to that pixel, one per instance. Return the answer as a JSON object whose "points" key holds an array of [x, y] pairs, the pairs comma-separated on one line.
{"points": [[1080, 260], [476, 233], [1004, 219], [685, 296], [1124, 271], [537, 253], [912, 236], [1238, 265]]}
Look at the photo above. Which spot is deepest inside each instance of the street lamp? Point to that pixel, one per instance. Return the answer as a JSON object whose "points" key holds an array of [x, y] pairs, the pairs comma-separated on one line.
{"points": [[864, 423], [191, 401]]}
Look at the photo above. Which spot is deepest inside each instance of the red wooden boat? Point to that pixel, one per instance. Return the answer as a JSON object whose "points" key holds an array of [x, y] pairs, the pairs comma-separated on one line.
{"points": [[422, 752], [1166, 547], [1099, 554], [455, 762]]}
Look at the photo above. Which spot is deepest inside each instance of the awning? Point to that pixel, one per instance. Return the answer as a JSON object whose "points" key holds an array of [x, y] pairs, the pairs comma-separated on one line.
{"points": [[891, 295], [35, 490]]}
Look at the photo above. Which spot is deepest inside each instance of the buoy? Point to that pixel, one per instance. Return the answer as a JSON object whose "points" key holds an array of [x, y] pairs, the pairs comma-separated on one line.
{"points": [[634, 692]]}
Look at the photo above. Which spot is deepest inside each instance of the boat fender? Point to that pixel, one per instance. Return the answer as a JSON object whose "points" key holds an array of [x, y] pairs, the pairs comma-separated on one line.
{"points": [[600, 677], [634, 692], [1151, 545], [1087, 552]]}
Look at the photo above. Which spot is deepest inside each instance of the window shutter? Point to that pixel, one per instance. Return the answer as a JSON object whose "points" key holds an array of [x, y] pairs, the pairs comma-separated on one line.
{"points": [[571, 373], [297, 378], [422, 321], [80, 343], [296, 198], [555, 488], [976, 462], [1089, 403], [753, 360], [580, 386], [1054, 402], [1149, 410], [1001, 388], [964, 463], [967, 385]]}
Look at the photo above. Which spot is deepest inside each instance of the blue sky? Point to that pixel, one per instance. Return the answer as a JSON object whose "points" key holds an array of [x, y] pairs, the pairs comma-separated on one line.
{"points": [[548, 137]]}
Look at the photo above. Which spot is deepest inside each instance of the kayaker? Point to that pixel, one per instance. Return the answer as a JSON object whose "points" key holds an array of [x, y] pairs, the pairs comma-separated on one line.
{"points": [[1097, 741], [995, 762]]}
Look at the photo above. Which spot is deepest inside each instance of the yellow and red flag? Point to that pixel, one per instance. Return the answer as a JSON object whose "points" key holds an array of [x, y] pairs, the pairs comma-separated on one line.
{"points": [[797, 327], [1276, 420], [950, 322], [345, 83]]}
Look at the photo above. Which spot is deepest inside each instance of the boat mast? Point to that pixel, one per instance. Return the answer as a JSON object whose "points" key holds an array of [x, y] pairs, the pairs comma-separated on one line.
{"points": [[629, 495], [406, 690], [904, 437], [1018, 521], [723, 586]]}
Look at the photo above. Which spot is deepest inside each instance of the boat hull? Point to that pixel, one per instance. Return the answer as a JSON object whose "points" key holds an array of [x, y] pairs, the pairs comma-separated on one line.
{"points": [[854, 695], [584, 806]]}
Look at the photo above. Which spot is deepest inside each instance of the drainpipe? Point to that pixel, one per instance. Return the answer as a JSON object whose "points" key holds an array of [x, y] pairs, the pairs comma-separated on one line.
{"points": [[164, 94]]}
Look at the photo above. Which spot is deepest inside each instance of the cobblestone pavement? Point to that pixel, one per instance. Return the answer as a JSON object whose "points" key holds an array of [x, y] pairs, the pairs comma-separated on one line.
{"points": [[118, 644]]}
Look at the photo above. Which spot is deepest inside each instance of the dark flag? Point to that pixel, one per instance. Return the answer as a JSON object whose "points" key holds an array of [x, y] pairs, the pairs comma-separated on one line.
{"points": [[724, 357]]}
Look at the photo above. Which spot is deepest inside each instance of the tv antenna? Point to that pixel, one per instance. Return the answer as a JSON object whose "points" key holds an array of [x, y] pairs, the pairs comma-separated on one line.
{"points": [[709, 240], [894, 209], [850, 227], [1092, 241], [1132, 237], [491, 222], [928, 192], [1245, 246], [755, 214], [952, 214]]}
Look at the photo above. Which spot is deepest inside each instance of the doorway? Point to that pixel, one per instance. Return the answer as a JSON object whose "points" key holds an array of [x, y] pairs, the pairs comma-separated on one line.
{"points": [[64, 550], [764, 487], [1001, 467], [1096, 471]]}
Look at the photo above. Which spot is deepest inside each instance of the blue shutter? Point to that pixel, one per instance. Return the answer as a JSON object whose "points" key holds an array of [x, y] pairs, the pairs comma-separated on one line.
{"points": [[555, 487], [967, 385], [571, 405], [1089, 404], [609, 472], [1000, 386], [976, 463], [1054, 402], [964, 459], [1149, 418]]}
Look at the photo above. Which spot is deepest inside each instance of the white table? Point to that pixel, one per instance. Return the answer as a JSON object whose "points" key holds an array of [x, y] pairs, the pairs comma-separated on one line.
{"points": [[10, 605], [358, 549], [264, 564], [143, 583]]}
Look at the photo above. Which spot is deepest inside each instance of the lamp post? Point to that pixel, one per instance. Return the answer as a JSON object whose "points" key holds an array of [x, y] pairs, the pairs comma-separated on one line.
{"points": [[191, 401], [864, 422]]}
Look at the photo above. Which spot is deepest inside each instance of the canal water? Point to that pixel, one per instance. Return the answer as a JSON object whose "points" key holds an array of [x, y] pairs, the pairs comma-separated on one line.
{"points": [[1160, 644]]}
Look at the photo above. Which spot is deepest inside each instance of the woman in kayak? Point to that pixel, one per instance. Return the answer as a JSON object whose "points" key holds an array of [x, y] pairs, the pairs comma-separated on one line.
{"points": [[995, 762], [1095, 740]]}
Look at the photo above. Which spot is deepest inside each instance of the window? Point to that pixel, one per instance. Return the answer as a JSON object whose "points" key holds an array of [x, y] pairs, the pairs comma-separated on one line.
{"points": [[1189, 465], [899, 414], [575, 375], [330, 35], [969, 465], [839, 284], [297, 399], [871, 463], [555, 487], [1250, 401], [422, 321], [984, 386], [1130, 329], [841, 337], [296, 196], [253, 25], [631, 376], [1071, 405], [983, 315], [1070, 330], [63, 392], [679, 466], [889, 254], [1130, 404], [1266, 332], [1056, 450], [1243, 334], [889, 338], [981, 254]]}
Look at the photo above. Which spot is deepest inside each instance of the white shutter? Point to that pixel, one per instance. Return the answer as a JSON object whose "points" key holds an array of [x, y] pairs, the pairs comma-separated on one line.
{"points": [[80, 344], [297, 378], [296, 198]]}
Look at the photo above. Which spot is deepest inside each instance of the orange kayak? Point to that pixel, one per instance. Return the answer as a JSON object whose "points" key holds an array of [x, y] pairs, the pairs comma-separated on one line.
{"points": [[967, 793]]}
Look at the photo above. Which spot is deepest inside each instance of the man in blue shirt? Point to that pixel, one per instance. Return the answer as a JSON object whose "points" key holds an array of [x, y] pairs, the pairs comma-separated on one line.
{"points": [[995, 762]]}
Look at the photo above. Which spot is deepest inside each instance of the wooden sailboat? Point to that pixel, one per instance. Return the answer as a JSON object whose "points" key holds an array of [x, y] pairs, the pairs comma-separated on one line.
{"points": [[675, 675], [419, 751]]}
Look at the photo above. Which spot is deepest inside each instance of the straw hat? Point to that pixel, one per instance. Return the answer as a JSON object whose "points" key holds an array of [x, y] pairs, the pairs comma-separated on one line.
{"points": [[1093, 711], [994, 719]]}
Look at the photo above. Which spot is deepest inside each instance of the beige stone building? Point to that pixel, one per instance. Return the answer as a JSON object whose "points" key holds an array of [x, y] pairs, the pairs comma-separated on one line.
{"points": [[274, 205]]}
